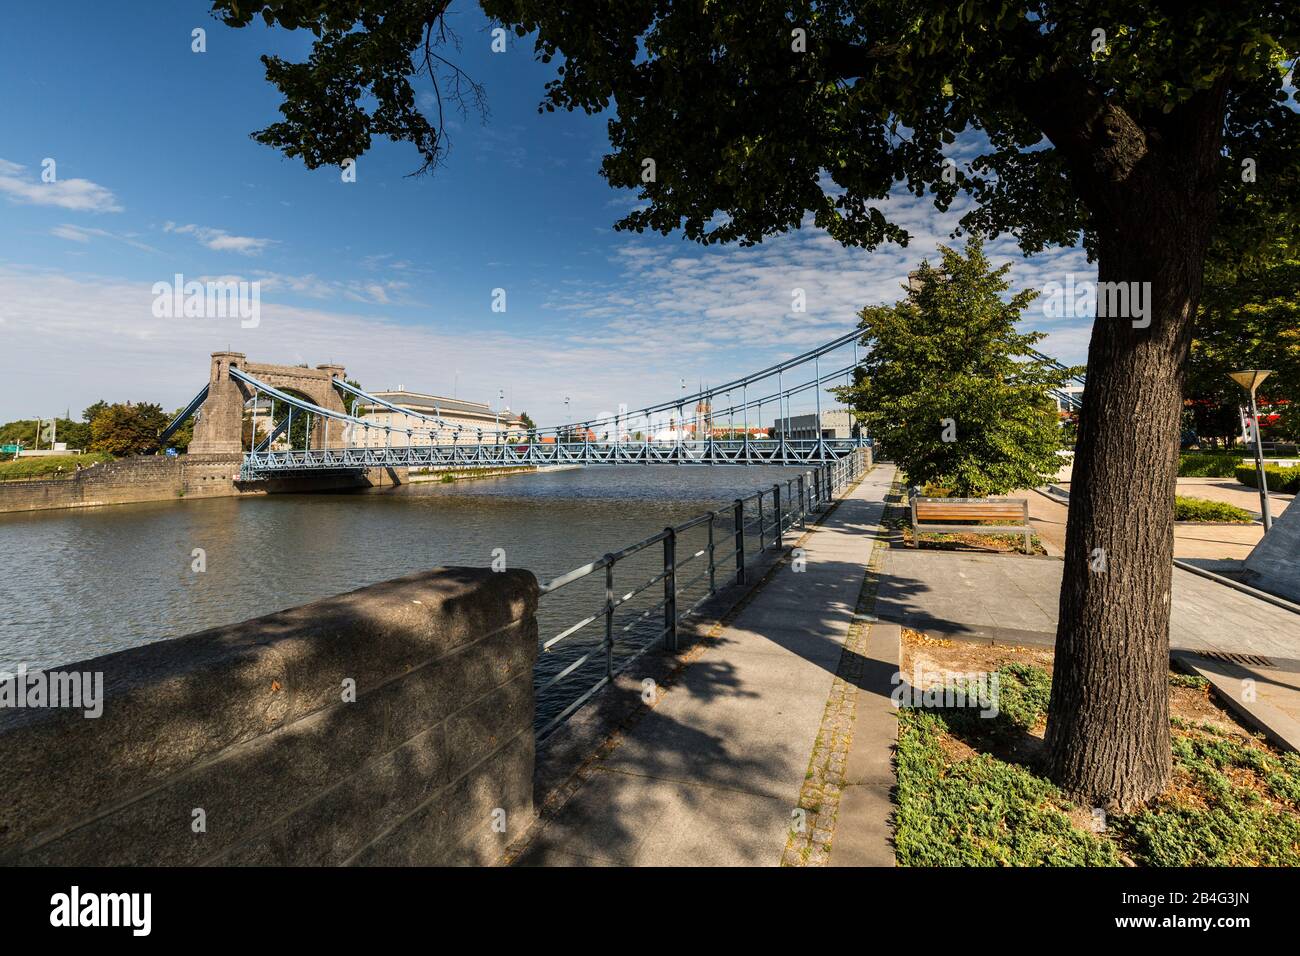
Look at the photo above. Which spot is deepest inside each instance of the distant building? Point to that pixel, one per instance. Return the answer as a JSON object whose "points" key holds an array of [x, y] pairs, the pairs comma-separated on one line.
{"points": [[1069, 397], [473, 419], [835, 423]]}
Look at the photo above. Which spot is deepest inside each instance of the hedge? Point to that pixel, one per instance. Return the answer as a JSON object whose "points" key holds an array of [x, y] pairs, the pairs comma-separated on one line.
{"points": [[1207, 464], [1201, 509], [1285, 480]]}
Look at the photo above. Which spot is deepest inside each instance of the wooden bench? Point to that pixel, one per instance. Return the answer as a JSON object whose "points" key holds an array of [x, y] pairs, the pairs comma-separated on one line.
{"points": [[936, 514]]}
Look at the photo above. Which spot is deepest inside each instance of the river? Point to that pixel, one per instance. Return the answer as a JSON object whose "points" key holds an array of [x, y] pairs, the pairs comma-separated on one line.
{"points": [[79, 583]]}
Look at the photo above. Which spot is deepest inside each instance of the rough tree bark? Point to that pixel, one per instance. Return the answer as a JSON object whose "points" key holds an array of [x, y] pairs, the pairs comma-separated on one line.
{"points": [[1151, 192]]}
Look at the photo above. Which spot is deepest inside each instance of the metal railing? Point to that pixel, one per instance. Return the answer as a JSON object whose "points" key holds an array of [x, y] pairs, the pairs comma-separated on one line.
{"points": [[732, 537], [261, 462]]}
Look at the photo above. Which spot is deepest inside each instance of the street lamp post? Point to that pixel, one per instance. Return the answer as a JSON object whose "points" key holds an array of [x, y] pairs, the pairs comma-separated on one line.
{"points": [[1250, 380], [501, 397]]}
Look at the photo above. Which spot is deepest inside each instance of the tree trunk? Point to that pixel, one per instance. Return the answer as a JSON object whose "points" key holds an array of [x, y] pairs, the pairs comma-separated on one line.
{"points": [[1108, 741]]}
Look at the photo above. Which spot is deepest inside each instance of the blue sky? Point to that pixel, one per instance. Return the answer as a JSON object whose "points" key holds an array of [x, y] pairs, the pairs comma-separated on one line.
{"points": [[391, 275]]}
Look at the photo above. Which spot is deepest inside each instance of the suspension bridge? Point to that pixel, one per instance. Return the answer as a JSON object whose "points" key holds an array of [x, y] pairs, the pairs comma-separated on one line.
{"points": [[312, 421]]}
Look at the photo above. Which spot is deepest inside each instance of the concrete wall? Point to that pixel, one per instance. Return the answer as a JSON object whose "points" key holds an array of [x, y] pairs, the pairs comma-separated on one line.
{"points": [[248, 724], [1274, 564], [159, 478]]}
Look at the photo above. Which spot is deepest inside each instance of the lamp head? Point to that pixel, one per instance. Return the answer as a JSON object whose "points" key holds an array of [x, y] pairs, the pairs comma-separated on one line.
{"points": [[1250, 378]]}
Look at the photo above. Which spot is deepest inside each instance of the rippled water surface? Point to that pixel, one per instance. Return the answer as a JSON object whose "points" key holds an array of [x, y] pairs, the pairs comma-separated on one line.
{"points": [[76, 584]]}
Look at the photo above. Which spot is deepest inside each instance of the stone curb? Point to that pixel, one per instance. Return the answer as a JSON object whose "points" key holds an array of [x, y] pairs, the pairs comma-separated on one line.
{"points": [[1226, 678]]}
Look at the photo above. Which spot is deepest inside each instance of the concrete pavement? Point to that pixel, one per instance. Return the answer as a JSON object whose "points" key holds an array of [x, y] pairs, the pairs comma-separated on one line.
{"points": [[1193, 541], [712, 774], [1014, 598]]}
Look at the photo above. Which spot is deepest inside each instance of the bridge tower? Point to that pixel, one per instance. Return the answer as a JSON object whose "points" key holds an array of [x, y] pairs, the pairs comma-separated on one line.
{"points": [[219, 427]]}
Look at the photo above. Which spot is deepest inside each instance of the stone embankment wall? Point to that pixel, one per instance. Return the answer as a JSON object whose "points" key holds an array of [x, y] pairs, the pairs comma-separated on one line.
{"points": [[159, 478], [390, 725]]}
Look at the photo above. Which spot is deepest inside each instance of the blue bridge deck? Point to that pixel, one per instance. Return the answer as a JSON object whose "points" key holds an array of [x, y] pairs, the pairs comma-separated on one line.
{"points": [[265, 464]]}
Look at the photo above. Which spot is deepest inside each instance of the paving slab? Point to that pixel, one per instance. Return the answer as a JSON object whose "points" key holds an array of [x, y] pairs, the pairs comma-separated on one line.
{"points": [[1266, 692], [1013, 598], [1193, 541], [864, 832]]}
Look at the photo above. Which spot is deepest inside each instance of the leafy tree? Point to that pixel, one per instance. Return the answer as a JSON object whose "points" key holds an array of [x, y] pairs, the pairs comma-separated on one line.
{"points": [[296, 432], [350, 401], [528, 421], [950, 389], [75, 434], [1249, 318], [1125, 126], [181, 438], [89, 414], [19, 432], [23, 431], [127, 429]]}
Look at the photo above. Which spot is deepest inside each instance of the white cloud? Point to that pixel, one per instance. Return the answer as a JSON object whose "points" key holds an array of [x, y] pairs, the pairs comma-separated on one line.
{"points": [[80, 195], [221, 241], [85, 234], [375, 292], [73, 233], [671, 300], [68, 339]]}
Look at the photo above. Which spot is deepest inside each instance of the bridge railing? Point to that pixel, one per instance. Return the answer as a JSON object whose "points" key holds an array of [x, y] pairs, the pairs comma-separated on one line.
{"points": [[697, 557]]}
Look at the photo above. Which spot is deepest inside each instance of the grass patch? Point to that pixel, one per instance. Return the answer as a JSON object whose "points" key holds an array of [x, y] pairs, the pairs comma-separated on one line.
{"points": [[48, 465], [981, 811], [1201, 509], [970, 792], [1233, 803]]}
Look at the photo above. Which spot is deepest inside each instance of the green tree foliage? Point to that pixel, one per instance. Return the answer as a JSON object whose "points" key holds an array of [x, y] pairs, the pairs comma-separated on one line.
{"points": [[125, 428], [181, 438], [21, 431], [351, 402], [951, 390], [1249, 318], [75, 434]]}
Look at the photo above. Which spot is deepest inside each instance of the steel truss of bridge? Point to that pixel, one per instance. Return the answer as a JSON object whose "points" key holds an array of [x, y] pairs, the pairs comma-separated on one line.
{"points": [[812, 451]]}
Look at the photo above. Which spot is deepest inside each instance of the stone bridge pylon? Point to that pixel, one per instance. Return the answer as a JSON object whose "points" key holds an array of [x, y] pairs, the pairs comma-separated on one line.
{"points": [[218, 429]]}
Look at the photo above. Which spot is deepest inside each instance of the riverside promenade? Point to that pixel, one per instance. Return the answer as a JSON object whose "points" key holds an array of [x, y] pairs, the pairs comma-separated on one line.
{"points": [[715, 771]]}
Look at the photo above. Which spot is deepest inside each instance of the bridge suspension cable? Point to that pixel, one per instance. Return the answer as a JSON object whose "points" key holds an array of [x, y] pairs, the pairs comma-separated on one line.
{"points": [[742, 383]]}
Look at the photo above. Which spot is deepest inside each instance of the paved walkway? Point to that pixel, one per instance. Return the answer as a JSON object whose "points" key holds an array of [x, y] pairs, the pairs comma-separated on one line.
{"points": [[1192, 541], [712, 774], [1015, 598]]}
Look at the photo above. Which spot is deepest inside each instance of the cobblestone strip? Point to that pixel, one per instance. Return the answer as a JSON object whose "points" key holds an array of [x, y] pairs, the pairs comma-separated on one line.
{"points": [[812, 830]]}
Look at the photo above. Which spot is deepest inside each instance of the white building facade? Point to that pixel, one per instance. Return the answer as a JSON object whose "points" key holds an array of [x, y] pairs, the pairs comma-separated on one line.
{"points": [[467, 423]]}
